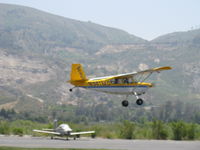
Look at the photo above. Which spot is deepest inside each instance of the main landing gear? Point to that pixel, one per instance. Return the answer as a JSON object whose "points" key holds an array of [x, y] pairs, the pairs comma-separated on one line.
{"points": [[139, 101], [125, 103]]}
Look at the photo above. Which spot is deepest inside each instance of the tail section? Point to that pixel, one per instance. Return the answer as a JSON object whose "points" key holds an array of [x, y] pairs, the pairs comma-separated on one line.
{"points": [[77, 73]]}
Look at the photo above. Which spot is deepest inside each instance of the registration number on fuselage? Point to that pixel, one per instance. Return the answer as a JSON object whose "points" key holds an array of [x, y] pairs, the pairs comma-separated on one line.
{"points": [[102, 83]]}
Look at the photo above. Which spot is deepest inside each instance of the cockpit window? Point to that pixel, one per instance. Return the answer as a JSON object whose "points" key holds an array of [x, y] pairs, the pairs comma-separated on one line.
{"points": [[112, 81], [121, 81], [130, 80], [125, 80]]}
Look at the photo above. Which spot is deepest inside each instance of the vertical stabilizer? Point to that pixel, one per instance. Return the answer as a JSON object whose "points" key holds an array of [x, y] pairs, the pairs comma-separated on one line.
{"points": [[77, 73], [55, 124]]}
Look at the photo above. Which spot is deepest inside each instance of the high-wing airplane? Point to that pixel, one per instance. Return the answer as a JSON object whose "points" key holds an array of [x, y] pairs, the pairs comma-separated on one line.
{"points": [[63, 130], [123, 84]]}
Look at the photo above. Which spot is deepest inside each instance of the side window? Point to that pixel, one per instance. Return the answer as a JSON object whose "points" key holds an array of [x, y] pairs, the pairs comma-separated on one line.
{"points": [[120, 81], [112, 81], [126, 80], [116, 81], [130, 80]]}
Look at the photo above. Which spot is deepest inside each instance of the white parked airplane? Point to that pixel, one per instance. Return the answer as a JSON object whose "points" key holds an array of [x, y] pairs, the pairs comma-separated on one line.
{"points": [[63, 130]]}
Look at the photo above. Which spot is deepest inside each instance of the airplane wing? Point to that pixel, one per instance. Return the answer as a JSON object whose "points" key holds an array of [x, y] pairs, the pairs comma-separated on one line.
{"points": [[136, 75], [49, 132], [84, 132], [48, 129], [141, 75]]}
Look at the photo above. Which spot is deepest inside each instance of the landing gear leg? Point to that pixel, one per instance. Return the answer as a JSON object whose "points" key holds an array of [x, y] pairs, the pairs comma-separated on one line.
{"points": [[139, 101]]}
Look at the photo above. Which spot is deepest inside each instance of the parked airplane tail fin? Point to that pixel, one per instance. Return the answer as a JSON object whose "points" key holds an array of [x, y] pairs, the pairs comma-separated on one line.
{"points": [[77, 73], [55, 124]]}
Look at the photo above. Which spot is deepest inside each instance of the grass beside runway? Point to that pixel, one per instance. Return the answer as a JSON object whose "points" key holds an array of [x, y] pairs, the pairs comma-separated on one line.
{"points": [[19, 148]]}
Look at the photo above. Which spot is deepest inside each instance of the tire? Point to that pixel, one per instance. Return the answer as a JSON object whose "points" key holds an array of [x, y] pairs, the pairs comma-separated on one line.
{"points": [[139, 101], [125, 103]]}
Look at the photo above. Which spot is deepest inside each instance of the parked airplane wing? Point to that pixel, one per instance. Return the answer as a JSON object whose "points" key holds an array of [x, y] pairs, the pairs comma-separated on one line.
{"points": [[84, 132], [47, 129], [49, 132]]}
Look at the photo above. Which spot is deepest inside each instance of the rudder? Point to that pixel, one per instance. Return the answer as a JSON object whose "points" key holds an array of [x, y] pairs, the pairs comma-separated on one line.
{"points": [[77, 73]]}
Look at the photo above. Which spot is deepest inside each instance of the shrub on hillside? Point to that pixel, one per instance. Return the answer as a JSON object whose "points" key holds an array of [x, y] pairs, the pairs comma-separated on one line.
{"points": [[127, 130], [17, 131], [159, 130], [4, 127]]}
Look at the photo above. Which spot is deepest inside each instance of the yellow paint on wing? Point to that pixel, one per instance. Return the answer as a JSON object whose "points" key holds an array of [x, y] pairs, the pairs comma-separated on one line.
{"points": [[163, 68]]}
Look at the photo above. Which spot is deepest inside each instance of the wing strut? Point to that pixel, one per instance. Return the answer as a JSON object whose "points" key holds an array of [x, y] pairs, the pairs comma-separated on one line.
{"points": [[143, 78]]}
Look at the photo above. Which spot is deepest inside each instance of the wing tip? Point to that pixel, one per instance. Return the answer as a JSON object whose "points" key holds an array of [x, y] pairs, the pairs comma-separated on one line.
{"points": [[163, 68]]}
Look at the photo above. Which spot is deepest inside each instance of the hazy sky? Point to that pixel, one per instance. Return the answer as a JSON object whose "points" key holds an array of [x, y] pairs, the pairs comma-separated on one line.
{"points": [[144, 18]]}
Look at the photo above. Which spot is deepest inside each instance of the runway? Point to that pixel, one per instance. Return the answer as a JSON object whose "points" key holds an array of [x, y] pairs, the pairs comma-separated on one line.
{"points": [[87, 143]]}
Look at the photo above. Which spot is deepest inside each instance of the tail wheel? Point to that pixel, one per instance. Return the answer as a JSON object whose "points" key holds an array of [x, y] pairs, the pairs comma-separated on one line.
{"points": [[139, 101], [125, 103]]}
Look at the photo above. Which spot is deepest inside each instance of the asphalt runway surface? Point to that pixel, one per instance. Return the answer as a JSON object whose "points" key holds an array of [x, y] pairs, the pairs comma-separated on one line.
{"points": [[98, 143]]}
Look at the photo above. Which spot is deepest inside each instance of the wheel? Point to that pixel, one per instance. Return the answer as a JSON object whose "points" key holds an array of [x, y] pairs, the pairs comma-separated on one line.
{"points": [[139, 101], [125, 103]]}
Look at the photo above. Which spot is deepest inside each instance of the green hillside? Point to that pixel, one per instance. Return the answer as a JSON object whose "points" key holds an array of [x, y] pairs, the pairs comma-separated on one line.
{"points": [[189, 37], [29, 29]]}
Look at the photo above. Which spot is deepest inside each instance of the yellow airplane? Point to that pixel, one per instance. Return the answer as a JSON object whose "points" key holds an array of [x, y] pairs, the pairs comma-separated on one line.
{"points": [[123, 84]]}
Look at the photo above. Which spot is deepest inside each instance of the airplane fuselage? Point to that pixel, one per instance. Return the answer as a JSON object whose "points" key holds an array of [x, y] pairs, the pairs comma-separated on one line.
{"points": [[114, 88], [63, 129]]}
